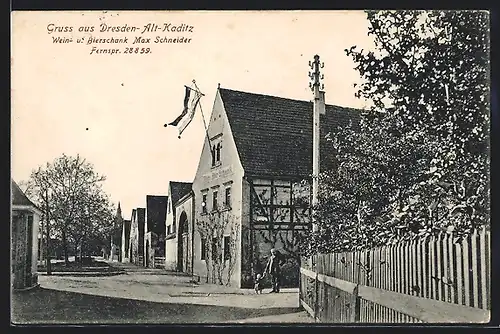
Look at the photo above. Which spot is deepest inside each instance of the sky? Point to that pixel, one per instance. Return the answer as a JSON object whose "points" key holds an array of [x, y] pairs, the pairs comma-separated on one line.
{"points": [[111, 109]]}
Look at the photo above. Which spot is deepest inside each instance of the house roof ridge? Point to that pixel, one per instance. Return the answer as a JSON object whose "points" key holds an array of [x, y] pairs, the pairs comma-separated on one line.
{"points": [[288, 98], [273, 135]]}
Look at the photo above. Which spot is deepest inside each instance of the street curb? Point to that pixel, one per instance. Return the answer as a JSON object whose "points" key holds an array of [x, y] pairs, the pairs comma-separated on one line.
{"points": [[28, 288], [83, 274], [215, 294], [243, 292]]}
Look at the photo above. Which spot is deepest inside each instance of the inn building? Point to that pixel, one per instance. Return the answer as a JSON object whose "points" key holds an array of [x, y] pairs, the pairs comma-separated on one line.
{"points": [[253, 181]]}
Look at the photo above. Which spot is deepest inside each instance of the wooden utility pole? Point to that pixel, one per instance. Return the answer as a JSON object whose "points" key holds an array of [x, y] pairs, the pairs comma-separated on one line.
{"points": [[318, 109]]}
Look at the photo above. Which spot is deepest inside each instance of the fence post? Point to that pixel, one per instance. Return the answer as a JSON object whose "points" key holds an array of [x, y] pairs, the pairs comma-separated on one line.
{"points": [[301, 293], [356, 305], [300, 284], [316, 296]]}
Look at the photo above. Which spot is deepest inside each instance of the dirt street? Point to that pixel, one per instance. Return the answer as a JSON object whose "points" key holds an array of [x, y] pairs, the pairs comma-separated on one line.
{"points": [[149, 296]]}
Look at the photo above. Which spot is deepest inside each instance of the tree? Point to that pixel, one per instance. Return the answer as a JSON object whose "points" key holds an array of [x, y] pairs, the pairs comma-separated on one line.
{"points": [[92, 223], [37, 188], [418, 163], [71, 191], [212, 228]]}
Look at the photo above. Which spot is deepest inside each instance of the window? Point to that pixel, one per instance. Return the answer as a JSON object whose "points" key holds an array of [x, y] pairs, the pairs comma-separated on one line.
{"points": [[213, 155], [203, 248], [168, 229], [214, 200], [217, 158], [173, 226], [216, 153], [227, 201], [204, 204], [227, 252]]}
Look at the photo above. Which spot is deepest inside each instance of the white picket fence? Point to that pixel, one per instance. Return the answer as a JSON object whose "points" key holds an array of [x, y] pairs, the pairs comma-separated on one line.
{"points": [[432, 269]]}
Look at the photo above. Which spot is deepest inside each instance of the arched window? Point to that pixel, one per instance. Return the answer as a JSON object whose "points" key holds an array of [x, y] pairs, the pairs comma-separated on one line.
{"points": [[213, 155], [183, 223], [218, 152]]}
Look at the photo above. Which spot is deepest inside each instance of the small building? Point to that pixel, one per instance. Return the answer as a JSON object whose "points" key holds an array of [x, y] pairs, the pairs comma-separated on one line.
{"points": [[176, 190], [184, 214], [154, 242], [125, 252], [137, 236], [133, 252], [251, 189], [24, 239]]}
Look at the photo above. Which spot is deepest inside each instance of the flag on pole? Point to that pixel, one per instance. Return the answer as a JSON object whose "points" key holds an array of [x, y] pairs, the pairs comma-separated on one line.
{"points": [[191, 101]]}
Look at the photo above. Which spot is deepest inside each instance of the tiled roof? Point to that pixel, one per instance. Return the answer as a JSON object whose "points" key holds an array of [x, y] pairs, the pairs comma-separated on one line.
{"points": [[18, 196], [179, 189], [273, 135], [156, 209]]}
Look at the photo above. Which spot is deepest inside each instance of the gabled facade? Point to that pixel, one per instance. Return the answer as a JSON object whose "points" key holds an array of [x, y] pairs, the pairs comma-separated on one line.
{"points": [[25, 218], [154, 243], [176, 191], [219, 171], [249, 178]]}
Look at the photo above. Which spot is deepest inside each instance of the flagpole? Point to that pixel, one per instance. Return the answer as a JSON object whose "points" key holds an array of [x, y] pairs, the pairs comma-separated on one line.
{"points": [[203, 118]]}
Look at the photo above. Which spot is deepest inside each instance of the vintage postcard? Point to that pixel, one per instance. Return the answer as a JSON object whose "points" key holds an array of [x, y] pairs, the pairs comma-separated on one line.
{"points": [[218, 167]]}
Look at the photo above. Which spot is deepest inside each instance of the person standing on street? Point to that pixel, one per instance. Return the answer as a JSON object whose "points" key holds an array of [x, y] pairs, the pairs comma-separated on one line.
{"points": [[273, 268]]}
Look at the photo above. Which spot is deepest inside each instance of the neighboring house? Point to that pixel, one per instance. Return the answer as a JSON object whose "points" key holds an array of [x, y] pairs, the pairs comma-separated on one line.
{"points": [[154, 242], [134, 238], [24, 239], [125, 252], [184, 214], [176, 190], [259, 149]]}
